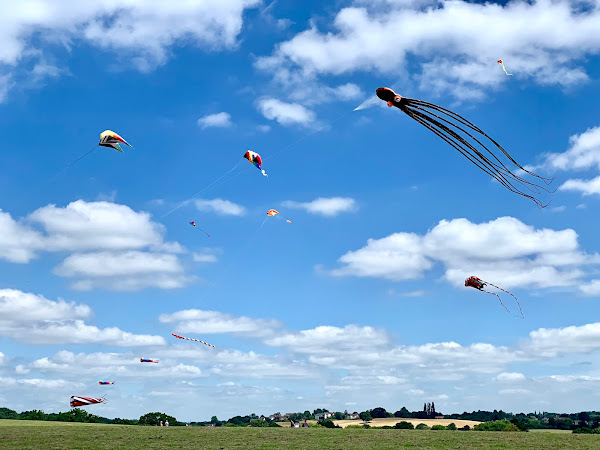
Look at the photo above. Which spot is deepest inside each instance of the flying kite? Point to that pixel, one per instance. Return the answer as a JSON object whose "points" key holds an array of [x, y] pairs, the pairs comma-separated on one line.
{"points": [[447, 126], [273, 213], [504, 68], [105, 382], [113, 140], [195, 340], [149, 360], [194, 225], [255, 159], [85, 401], [479, 284]]}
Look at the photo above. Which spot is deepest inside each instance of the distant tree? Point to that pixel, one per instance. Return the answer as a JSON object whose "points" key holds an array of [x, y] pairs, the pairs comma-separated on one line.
{"points": [[365, 416], [403, 412], [404, 425], [328, 423], [378, 413], [6, 413], [465, 428], [307, 415], [154, 419], [519, 424], [215, 421], [583, 430], [338, 415], [438, 427], [433, 413], [422, 426], [451, 426]]}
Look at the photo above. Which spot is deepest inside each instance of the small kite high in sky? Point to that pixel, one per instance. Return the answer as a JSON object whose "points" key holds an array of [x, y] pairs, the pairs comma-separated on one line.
{"points": [[113, 140], [255, 159], [103, 383], [479, 284], [85, 401], [274, 212], [195, 340], [447, 125], [504, 68], [192, 223], [149, 360]]}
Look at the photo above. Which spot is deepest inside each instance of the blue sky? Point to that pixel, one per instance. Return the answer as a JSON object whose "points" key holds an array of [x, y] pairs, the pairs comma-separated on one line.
{"points": [[360, 301]]}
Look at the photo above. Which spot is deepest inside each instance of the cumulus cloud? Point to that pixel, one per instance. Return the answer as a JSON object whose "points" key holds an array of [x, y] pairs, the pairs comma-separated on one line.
{"points": [[451, 39], [583, 152], [325, 206], [123, 271], [220, 206], [33, 319], [218, 120], [112, 245], [505, 250], [102, 225], [285, 113], [586, 187], [143, 31], [214, 322]]}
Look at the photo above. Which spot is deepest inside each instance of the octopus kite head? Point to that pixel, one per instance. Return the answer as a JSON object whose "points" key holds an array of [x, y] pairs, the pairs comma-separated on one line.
{"points": [[390, 97]]}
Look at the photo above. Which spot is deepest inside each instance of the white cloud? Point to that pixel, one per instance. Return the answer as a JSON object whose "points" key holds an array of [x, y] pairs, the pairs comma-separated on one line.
{"points": [[124, 271], [510, 377], [18, 243], [214, 322], [219, 120], [591, 288], [325, 206], [454, 41], [33, 319], [551, 342], [204, 257], [285, 113], [583, 152], [114, 245], [220, 206], [504, 250], [97, 225], [139, 32], [586, 187]]}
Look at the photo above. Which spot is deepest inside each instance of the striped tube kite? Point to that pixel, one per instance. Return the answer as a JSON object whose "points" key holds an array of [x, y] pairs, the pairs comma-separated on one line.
{"points": [[149, 360], [480, 285], [103, 383], [255, 159], [85, 401], [113, 140], [195, 340]]}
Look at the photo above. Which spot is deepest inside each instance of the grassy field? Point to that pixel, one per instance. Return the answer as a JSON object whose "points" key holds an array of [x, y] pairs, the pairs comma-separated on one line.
{"points": [[20, 434]]}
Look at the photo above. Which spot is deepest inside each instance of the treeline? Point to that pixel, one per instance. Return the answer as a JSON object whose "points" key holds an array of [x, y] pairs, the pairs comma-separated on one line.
{"points": [[80, 415], [537, 420]]}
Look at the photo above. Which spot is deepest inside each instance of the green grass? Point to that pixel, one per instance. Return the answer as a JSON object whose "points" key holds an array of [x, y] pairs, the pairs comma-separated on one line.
{"points": [[19, 434]]}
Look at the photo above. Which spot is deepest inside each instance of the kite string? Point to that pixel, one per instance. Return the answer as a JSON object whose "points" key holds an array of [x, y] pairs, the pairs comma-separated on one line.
{"points": [[201, 191], [93, 149]]}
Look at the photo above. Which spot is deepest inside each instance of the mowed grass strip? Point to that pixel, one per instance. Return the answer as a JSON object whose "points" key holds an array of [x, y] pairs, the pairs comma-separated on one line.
{"points": [[20, 434]]}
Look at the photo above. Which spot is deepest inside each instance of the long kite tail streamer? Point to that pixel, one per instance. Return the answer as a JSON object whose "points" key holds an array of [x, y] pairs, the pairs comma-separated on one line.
{"points": [[195, 340], [499, 299], [194, 225], [504, 68], [504, 290], [447, 125]]}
